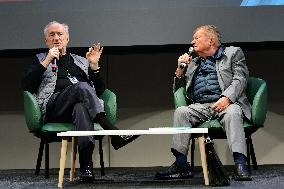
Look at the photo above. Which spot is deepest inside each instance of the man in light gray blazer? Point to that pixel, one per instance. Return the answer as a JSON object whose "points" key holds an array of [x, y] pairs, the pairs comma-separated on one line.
{"points": [[215, 82]]}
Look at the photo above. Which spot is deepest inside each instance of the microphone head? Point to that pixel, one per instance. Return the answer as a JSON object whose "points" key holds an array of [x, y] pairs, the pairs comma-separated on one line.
{"points": [[54, 66], [190, 51]]}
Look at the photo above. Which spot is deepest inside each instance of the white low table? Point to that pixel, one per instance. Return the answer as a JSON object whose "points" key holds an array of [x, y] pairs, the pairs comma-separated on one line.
{"points": [[151, 131]]}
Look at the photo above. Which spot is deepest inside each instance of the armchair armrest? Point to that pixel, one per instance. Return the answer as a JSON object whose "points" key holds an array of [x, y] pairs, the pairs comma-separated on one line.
{"points": [[259, 102], [179, 97], [110, 105]]}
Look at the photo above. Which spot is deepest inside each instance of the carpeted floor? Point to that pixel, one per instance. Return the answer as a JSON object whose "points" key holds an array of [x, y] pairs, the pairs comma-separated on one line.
{"points": [[267, 176]]}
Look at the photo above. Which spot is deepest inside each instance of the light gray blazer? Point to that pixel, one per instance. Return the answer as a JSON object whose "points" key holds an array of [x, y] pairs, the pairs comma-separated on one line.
{"points": [[232, 75]]}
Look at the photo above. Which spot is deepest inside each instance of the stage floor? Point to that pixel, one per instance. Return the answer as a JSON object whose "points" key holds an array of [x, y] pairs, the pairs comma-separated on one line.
{"points": [[267, 176]]}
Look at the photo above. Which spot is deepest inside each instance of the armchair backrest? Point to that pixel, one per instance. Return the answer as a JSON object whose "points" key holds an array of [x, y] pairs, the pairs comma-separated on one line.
{"points": [[32, 112], [180, 97], [257, 94], [110, 105]]}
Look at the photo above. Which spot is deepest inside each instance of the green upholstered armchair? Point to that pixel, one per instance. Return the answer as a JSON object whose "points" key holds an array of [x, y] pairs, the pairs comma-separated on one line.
{"points": [[47, 132], [257, 94]]}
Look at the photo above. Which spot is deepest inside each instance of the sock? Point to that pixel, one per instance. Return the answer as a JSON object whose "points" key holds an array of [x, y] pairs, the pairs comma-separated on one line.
{"points": [[239, 158], [103, 121], [85, 155], [181, 159]]}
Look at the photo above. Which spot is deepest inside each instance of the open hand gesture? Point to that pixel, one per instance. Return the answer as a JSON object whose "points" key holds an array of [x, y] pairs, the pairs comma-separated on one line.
{"points": [[93, 55]]}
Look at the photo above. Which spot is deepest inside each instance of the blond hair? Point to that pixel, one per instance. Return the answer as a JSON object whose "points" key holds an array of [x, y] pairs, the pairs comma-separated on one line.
{"points": [[212, 31]]}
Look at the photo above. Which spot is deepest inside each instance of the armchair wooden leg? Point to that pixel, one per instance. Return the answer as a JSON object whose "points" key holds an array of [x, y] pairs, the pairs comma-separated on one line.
{"points": [[73, 157], [62, 160], [39, 157], [201, 143]]}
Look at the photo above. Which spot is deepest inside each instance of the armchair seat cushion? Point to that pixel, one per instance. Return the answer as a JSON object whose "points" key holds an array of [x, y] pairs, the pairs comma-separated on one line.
{"points": [[97, 127], [215, 129], [49, 131], [56, 127]]}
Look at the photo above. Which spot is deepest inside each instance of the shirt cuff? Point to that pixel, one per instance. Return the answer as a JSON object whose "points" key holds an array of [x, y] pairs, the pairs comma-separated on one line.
{"points": [[97, 70]]}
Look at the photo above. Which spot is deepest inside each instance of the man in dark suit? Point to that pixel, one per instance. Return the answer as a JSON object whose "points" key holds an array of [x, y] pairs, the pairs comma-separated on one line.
{"points": [[67, 87]]}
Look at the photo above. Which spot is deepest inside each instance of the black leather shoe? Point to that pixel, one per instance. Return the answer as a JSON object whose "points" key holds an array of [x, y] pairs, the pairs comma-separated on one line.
{"points": [[175, 172], [241, 173], [121, 140], [87, 174], [86, 163]]}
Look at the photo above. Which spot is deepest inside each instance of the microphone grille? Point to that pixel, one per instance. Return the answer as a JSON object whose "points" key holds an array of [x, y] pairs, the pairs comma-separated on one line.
{"points": [[191, 49]]}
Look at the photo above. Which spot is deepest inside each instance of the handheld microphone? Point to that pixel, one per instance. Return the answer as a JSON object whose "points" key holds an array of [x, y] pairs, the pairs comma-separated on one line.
{"points": [[190, 53], [54, 66]]}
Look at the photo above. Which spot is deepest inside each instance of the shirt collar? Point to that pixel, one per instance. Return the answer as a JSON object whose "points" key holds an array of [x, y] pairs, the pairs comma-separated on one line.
{"points": [[219, 53]]}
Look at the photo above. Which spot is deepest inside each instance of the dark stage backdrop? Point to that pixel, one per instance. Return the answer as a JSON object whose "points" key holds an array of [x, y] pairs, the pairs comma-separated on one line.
{"points": [[142, 76]]}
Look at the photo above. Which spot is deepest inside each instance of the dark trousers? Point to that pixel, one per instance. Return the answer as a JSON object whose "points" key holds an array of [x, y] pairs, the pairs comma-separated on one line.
{"points": [[79, 104]]}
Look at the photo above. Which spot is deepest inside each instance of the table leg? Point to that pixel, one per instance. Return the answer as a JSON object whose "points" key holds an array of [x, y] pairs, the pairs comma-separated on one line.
{"points": [[73, 157], [201, 143], [62, 160]]}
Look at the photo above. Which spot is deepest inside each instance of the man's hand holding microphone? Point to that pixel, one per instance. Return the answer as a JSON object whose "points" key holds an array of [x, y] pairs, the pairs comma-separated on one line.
{"points": [[53, 53], [183, 60]]}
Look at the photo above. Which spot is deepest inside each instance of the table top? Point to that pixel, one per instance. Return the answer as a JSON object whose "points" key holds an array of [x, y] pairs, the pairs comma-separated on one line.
{"points": [[150, 131]]}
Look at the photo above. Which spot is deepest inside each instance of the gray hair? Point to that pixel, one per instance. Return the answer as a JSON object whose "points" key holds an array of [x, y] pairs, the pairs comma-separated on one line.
{"points": [[212, 31], [66, 27]]}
